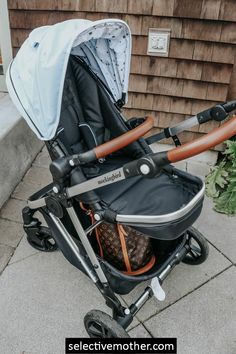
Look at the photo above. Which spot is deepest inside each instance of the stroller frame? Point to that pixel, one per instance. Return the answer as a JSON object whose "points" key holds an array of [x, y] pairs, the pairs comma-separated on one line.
{"points": [[82, 58], [91, 266], [49, 200]]}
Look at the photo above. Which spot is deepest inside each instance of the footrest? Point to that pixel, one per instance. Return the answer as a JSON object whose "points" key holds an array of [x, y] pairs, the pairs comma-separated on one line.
{"points": [[157, 289]]}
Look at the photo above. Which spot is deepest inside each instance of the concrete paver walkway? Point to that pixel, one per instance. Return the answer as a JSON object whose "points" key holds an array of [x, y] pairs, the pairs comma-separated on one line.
{"points": [[43, 298]]}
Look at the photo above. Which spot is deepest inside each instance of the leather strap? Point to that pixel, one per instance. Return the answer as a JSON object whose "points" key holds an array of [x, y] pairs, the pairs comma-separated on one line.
{"points": [[217, 136], [122, 235], [125, 139], [144, 269], [129, 270]]}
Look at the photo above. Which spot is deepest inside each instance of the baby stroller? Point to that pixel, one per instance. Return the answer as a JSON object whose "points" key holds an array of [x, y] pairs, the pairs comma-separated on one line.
{"points": [[69, 81]]}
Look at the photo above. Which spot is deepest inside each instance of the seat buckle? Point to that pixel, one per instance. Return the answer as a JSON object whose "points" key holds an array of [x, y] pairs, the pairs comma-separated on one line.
{"points": [[176, 140]]}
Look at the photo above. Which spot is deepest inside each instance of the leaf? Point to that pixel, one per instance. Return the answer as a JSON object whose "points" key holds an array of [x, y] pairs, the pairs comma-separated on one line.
{"points": [[226, 203], [230, 150], [216, 180], [221, 182]]}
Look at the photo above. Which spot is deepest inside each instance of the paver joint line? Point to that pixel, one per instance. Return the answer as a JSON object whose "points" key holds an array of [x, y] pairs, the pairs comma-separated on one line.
{"points": [[224, 255], [4, 244], [17, 222], [38, 165], [11, 249], [17, 198], [23, 259], [190, 292], [147, 330]]}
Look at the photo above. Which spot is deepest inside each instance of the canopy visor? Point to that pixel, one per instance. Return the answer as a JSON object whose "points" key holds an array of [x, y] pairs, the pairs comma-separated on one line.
{"points": [[35, 78]]}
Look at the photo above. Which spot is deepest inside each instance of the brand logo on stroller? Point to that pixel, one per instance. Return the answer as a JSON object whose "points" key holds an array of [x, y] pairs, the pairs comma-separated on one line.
{"points": [[110, 178]]}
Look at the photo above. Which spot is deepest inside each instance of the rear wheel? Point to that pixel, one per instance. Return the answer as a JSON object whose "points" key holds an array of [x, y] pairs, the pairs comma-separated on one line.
{"points": [[42, 240], [199, 248], [98, 324]]}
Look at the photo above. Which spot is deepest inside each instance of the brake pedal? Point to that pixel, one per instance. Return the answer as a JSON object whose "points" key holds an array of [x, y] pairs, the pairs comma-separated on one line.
{"points": [[157, 289]]}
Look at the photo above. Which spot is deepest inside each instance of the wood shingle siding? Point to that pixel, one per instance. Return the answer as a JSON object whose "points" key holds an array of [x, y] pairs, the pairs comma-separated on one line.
{"points": [[211, 31], [204, 9], [182, 69], [199, 71]]}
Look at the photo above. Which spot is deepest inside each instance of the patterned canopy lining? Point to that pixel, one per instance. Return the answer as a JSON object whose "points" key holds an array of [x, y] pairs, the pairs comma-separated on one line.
{"points": [[105, 48]]}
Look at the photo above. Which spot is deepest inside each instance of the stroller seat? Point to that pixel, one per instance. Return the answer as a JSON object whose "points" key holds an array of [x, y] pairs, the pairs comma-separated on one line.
{"points": [[162, 207], [145, 198], [139, 196]]}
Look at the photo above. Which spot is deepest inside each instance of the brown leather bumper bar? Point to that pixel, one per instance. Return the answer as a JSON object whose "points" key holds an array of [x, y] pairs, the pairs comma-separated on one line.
{"points": [[124, 139], [195, 147]]}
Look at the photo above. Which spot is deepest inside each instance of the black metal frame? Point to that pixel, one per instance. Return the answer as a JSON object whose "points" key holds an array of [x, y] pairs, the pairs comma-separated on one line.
{"points": [[122, 315]]}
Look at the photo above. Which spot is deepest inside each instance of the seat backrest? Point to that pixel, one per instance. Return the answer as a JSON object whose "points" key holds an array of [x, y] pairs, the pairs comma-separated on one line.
{"points": [[88, 115]]}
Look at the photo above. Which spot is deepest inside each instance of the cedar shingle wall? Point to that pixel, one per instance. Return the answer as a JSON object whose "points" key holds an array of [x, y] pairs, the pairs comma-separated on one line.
{"points": [[199, 71]]}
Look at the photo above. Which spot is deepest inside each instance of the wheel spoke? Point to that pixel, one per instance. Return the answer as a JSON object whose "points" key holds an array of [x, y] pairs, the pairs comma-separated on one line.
{"points": [[109, 334], [104, 332], [42, 240], [96, 330], [193, 254], [196, 250], [45, 244], [100, 325], [99, 330], [48, 244]]}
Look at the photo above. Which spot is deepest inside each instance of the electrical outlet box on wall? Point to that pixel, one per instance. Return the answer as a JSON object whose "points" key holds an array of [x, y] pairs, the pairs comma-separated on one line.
{"points": [[158, 42]]}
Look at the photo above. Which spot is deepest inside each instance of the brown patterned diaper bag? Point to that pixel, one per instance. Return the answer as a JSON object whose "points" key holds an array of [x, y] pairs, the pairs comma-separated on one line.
{"points": [[125, 248]]}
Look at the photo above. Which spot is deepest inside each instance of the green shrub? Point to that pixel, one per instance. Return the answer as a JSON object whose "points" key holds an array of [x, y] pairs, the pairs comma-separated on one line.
{"points": [[221, 182]]}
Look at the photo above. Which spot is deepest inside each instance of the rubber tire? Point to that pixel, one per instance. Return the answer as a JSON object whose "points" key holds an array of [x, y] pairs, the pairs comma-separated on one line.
{"points": [[202, 243], [43, 231], [114, 329]]}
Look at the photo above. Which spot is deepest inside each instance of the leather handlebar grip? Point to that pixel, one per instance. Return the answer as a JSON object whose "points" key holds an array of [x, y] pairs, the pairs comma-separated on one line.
{"points": [[125, 139], [217, 136]]}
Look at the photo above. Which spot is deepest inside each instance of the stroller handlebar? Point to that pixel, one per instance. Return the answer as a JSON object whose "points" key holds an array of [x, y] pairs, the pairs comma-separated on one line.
{"points": [[195, 147], [115, 144], [229, 106], [125, 139], [62, 166], [150, 164]]}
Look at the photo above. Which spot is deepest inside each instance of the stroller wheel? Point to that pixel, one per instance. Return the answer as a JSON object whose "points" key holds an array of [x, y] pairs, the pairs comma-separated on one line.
{"points": [[98, 324], [42, 240], [199, 248]]}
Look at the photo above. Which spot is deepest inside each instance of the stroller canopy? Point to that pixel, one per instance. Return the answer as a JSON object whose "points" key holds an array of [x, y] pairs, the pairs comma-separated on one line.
{"points": [[35, 78]]}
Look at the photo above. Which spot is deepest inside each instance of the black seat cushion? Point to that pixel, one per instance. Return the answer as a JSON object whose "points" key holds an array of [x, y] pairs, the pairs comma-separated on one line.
{"points": [[144, 196], [89, 116], [161, 195]]}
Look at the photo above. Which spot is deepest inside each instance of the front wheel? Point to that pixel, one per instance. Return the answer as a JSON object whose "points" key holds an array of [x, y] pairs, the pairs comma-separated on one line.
{"points": [[98, 324], [199, 248]]}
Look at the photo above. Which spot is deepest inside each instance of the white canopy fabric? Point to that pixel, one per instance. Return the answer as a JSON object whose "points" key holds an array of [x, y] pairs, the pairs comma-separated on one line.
{"points": [[35, 78]]}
